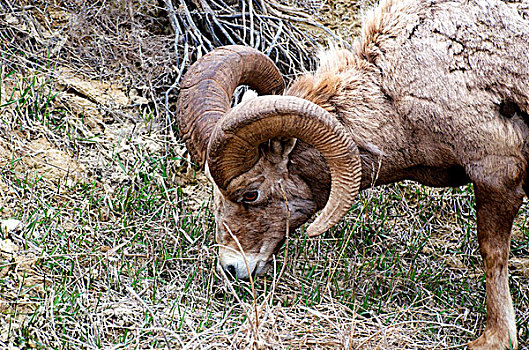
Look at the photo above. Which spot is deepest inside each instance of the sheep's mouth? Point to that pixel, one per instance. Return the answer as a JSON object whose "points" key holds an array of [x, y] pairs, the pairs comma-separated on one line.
{"points": [[261, 268]]}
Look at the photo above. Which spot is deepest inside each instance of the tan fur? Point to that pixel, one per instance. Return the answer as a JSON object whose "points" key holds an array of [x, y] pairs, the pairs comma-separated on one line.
{"points": [[436, 91], [386, 25]]}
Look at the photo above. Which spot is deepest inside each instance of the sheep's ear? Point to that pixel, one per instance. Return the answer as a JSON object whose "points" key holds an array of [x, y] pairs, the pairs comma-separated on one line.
{"points": [[278, 151]]}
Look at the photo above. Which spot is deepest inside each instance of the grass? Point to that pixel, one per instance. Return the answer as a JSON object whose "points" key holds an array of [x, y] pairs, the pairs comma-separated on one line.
{"points": [[134, 266], [115, 247]]}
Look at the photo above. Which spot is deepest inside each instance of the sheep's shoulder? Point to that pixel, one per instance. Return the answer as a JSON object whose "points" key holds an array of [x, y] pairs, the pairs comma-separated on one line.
{"points": [[451, 75]]}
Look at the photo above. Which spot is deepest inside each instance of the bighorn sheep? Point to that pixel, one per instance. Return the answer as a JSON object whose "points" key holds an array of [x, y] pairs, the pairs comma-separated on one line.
{"points": [[435, 91]]}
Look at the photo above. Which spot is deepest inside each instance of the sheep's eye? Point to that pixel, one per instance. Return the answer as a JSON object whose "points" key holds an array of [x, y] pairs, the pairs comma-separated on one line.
{"points": [[251, 196]]}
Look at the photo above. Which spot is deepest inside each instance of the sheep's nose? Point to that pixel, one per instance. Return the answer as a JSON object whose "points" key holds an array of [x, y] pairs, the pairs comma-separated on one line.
{"points": [[230, 270]]}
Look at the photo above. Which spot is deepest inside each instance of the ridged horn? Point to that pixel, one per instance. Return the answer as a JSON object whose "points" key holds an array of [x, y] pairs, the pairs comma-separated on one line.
{"points": [[233, 147], [208, 86]]}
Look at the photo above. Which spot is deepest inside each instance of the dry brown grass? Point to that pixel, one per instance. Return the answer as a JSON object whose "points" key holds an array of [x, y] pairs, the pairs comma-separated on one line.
{"points": [[106, 235]]}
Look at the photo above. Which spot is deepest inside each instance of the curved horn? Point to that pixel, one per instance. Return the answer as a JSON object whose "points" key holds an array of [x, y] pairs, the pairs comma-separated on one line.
{"points": [[233, 148], [207, 89]]}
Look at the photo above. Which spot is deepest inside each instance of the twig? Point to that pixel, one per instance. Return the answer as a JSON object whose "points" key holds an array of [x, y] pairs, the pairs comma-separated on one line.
{"points": [[241, 251]]}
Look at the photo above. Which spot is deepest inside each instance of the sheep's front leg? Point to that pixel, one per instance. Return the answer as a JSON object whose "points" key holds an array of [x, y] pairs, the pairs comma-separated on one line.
{"points": [[497, 205]]}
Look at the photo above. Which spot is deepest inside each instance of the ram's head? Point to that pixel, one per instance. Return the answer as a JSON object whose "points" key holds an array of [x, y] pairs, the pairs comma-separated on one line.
{"points": [[249, 150]]}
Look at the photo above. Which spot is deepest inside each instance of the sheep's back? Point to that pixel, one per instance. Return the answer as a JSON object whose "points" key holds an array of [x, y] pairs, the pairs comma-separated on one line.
{"points": [[449, 66]]}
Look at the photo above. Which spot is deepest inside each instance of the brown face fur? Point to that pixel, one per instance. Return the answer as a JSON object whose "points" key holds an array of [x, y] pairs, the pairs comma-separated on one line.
{"points": [[260, 225]]}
